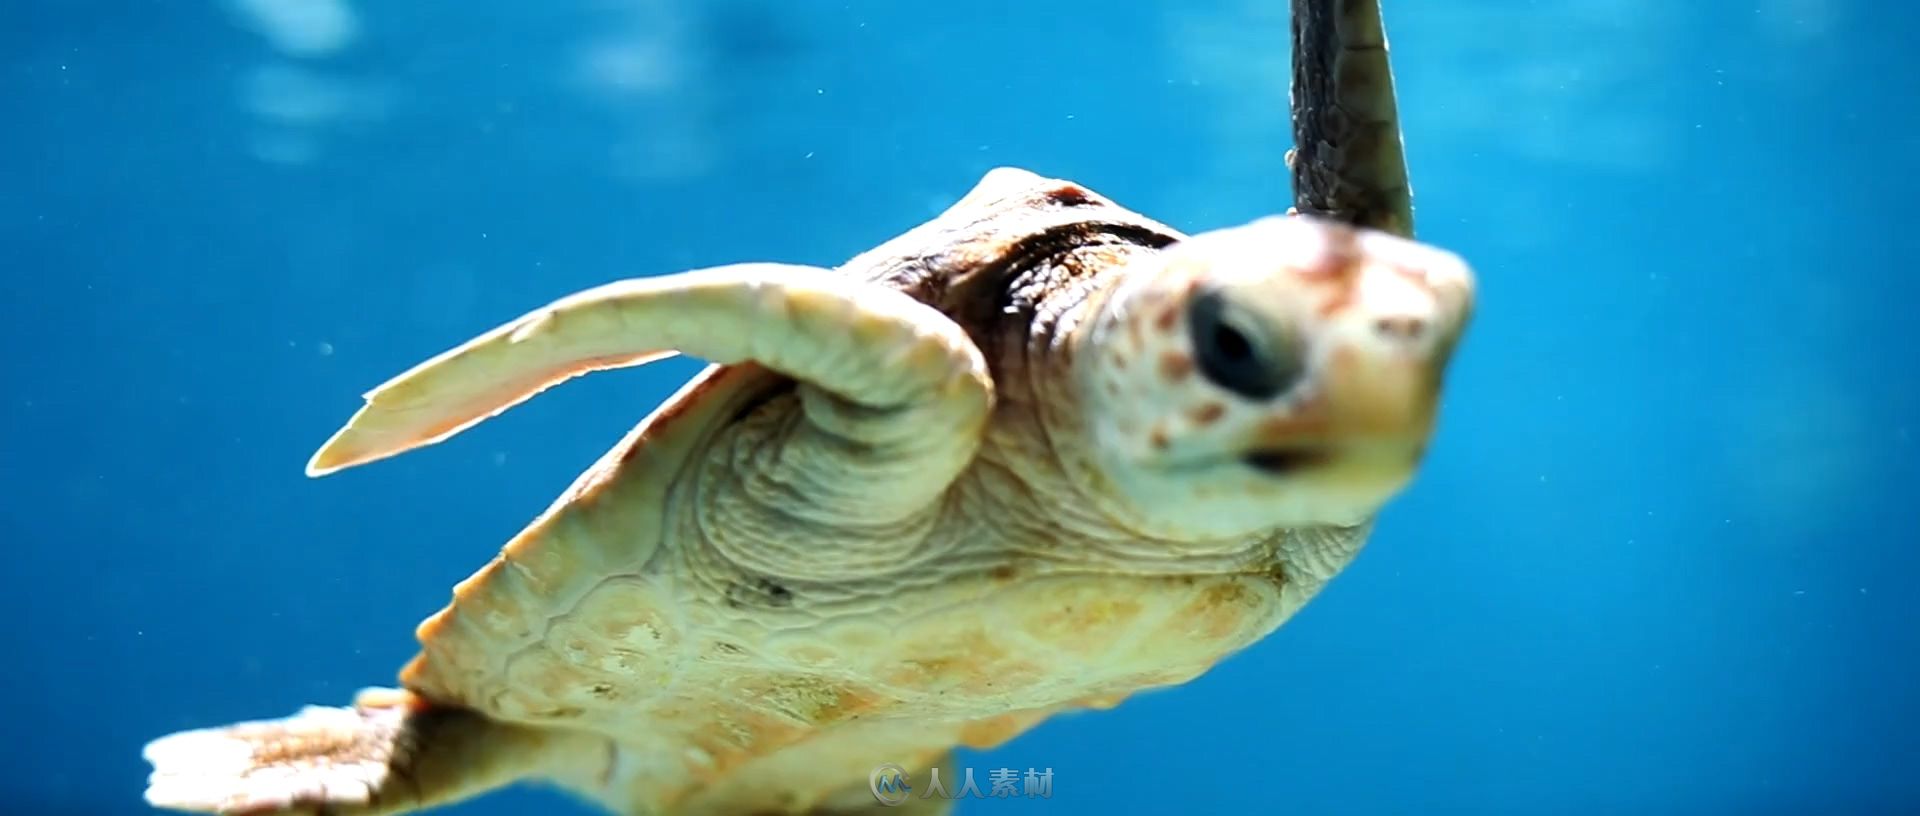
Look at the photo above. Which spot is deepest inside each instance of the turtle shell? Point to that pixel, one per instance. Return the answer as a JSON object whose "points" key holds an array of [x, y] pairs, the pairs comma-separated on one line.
{"points": [[580, 622]]}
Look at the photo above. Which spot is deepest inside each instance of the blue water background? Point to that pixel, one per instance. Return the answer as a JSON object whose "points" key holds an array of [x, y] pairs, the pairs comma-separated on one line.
{"points": [[1662, 560]]}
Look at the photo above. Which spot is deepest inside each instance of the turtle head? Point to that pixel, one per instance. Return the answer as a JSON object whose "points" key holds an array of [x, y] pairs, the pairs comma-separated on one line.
{"points": [[1282, 373]]}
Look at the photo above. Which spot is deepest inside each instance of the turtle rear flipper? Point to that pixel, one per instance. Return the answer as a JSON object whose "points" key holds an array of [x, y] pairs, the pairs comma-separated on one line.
{"points": [[1348, 161], [390, 752]]}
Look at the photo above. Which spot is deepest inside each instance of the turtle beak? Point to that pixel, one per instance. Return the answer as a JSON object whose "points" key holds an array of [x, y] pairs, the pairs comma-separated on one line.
{"points": [[1386, 335]]}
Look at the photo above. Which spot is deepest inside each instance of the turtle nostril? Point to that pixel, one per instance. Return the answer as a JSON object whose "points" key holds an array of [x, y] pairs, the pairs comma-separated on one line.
{"points": [[1404, 329]]}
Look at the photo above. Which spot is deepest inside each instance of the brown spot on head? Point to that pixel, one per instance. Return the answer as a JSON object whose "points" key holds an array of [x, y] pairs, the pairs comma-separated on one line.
{"points": [[1341, 299], [1070, 195], [1158, 438], [1119, 360], [1175, 366], [1340, 266], [1414, 274], [1281, 427], [1165, 320], [1342, 258], [1003, 573], [1207, 414]]}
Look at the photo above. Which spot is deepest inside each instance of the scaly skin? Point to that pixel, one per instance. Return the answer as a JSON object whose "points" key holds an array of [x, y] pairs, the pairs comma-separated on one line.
{"points": [[1086, 457], [700, 626], [1348, 161]]}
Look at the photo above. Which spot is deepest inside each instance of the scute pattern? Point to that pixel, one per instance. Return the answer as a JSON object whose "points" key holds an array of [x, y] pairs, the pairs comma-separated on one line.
{"points": [[981, 474]]}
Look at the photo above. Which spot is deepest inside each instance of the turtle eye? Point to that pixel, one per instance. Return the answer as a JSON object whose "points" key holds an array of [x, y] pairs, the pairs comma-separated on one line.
{"points": [[1233, 354]]}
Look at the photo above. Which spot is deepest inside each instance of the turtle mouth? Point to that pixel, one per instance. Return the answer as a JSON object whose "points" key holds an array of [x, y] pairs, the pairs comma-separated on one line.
{"points": [[1285, 461]]}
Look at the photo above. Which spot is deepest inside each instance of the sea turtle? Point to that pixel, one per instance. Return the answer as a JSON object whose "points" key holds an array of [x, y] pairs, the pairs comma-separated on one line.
{"points": [[1037, 454]]}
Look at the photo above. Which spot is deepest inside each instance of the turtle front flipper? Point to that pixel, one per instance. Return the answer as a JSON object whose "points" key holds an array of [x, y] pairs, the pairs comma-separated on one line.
{"points": [[1348, 162], [391, 752], [879, 374]]}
